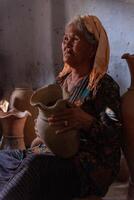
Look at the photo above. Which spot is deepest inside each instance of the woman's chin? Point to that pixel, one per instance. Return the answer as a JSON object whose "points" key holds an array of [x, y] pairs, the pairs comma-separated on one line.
{"points": [[68, 58], [69, 61]]}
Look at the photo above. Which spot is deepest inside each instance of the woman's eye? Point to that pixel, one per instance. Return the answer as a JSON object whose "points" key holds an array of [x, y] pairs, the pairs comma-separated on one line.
{"points": [[71, 39], [65, 38], [76, 38]]}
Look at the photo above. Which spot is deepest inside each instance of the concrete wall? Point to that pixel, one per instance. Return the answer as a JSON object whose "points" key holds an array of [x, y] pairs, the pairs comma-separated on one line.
{"points": [[31, 34], [25, 42]]}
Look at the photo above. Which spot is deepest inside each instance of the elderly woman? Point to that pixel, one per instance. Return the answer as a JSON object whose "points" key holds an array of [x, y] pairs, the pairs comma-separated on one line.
{"points": [[95, 113]]}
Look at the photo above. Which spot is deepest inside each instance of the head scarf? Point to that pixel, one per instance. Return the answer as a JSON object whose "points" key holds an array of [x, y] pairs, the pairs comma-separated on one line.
{"points": [[94, 26]]}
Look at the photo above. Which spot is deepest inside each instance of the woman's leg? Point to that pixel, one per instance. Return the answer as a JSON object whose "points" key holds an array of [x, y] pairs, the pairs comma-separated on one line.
{"points": [[60, 180], [44, 178], [10, 160], [25, 182]]}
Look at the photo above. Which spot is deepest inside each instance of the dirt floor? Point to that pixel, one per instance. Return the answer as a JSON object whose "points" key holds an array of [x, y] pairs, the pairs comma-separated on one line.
{"points": [[118, 191]]}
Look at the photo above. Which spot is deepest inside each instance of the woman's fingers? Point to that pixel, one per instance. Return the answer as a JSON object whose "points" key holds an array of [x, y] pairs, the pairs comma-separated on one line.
{"points": [[65, 112], [65, 115], [58, 123], [66, 129], [70, 118], [58, 119], [63, 123]]}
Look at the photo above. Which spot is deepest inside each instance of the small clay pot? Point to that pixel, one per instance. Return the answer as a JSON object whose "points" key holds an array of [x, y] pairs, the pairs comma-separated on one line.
{"points": [[13, 123], [20, 100]]}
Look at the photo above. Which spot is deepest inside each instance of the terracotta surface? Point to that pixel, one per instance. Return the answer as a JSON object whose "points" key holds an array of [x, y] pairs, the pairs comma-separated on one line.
{"points": [[128, 123], [124, 174], [128, 117], [13, 123], [49, 101], [20, 99]]}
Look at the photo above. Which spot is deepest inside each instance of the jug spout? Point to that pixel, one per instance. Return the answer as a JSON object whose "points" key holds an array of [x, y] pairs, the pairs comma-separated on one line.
{"points": [[46, 96]]}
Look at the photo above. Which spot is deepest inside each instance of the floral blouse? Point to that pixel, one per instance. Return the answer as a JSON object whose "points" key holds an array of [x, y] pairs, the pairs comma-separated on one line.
{"points": [[98, 158]]}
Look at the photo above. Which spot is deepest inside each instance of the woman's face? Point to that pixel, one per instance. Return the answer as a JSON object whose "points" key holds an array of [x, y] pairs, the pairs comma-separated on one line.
{"points": [[76, 50]]}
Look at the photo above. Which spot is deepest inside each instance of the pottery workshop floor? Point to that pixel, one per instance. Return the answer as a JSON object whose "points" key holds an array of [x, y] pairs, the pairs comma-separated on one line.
{"points": [[118, 191]]}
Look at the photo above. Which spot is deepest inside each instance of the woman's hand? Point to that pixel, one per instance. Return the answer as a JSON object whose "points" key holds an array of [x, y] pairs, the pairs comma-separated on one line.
{"points": [[71, 118]]}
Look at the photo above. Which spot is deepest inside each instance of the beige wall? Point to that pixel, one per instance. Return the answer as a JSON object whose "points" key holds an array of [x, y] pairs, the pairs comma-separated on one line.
{"points": [[31, 33]]}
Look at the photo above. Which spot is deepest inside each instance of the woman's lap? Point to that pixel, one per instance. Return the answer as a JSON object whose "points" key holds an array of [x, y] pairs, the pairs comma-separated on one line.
{"points": [[43, 177], [9, 162], [38, 176]]}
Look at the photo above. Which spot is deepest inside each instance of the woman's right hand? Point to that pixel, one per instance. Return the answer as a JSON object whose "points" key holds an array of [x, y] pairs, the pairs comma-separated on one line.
{"points": [[71, 118]]}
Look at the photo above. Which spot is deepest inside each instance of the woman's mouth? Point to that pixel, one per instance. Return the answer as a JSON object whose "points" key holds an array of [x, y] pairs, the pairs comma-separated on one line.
{"points": [[68, 52]]}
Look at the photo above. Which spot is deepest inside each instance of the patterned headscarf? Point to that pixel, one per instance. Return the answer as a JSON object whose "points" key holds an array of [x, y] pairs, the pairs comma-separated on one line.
{"points": [[94, 26]]}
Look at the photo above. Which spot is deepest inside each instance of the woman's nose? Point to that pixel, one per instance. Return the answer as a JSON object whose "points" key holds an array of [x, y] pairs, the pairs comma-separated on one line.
{"points": [[69, 43], [67, 39]]}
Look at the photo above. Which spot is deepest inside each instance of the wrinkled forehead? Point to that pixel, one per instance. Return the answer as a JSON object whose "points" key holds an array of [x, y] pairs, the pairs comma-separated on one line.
{"points": [[72, 28], [78, 28]]}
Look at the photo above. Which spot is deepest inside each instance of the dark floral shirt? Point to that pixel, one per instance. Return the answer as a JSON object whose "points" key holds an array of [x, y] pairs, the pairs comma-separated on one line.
{"points": [[99, 153]]}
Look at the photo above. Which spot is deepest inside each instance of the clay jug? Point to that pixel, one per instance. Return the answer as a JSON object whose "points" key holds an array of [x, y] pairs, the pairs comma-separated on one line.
{"points": [[49, 101], [20, 100], [128, 117], [13, 123]]}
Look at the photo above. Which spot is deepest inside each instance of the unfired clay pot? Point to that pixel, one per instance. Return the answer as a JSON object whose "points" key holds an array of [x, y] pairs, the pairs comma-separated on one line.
{"points": [[13, 123], [49, 101], [128, 117], [20, 100]]}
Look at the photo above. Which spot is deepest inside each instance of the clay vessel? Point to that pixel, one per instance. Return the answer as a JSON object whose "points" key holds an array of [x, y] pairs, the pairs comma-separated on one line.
{"points": [[20, 100], [128, 117], [13, 123], [49, 101]]}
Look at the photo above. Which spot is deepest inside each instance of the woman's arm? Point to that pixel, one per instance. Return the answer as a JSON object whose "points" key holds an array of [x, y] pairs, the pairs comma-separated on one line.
{"points": [[107, 106]]}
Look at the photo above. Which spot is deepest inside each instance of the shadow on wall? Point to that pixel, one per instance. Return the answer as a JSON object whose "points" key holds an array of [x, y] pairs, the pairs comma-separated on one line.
{"points": [[16, 41], [58, 16], [26, 57], [6, 80]]}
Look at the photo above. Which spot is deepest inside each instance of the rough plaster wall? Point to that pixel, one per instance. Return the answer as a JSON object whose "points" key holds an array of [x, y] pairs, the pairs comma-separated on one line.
{"points": [[31, 33], [25, 43]]}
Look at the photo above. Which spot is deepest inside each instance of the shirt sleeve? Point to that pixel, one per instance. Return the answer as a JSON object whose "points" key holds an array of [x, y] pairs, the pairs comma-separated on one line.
{"points": [[106, 128], [100, 143], [108, 111]]}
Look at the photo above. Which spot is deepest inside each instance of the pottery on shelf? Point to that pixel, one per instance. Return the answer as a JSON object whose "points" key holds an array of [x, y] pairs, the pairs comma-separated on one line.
{"points": [[13, 123], [48, 100], [20, 100], [128, 117]]}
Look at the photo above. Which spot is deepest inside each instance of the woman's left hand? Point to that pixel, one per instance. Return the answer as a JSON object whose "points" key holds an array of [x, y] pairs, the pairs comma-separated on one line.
{"points": [[71, 118]]}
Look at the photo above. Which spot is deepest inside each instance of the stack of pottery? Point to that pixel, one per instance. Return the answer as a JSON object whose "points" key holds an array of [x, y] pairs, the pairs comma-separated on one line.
{"points": [[20, 100], [128, 120], [49, 100], [13, 123]]}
